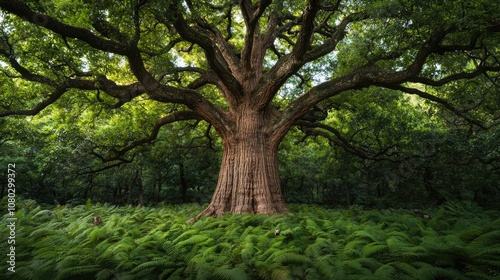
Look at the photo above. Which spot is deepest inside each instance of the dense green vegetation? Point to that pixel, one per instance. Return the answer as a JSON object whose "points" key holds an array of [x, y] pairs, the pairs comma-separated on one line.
{"points": [[399, 152], [461, 241]]}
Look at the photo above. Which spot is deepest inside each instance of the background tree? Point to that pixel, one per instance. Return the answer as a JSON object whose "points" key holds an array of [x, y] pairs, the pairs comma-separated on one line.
{"points": [[250, 69]]}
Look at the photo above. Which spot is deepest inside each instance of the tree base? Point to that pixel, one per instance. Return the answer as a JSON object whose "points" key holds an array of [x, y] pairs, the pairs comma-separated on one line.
{"points": [[212, 211]]}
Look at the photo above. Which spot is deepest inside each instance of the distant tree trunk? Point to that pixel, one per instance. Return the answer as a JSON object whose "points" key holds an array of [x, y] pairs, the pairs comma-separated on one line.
{"points": [[248, 179], [347, 197], [115, 194], [432, 193], [90, 186], [159, 182], [140, 188], [130, 189], [118, 192], [183, 182], [284, 186]]}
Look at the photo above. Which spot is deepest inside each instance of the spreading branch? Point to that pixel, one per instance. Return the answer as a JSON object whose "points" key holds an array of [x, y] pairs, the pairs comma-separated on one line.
{"points": [[438, 100], [363, 77], [220, 56], [19, 8], [118, 155]]}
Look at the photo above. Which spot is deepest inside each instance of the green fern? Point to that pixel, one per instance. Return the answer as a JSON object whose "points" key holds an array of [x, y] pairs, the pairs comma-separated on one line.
{"points": [[227, 273], [354, 248], [160, 263], [482, 275], [198, 239], [314, 243], [326, 267], [185, 235], [289, 258], [280, 273], [487, 239], [374, 248], [78, 272], [386, 271]]}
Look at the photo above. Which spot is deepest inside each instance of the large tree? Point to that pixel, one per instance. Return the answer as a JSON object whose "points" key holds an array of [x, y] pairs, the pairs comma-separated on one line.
{"points": [[252, 54]]}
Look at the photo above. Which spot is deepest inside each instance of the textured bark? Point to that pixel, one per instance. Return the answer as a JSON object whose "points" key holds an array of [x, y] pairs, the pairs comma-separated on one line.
{"points": [[248, 179]]}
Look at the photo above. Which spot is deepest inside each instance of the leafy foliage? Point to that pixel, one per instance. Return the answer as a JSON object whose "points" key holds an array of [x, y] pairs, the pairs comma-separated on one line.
{"points": [[461, 241]]}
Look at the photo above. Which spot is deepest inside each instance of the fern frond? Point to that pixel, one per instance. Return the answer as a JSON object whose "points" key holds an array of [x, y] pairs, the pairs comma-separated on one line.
{"points": [[353, 248], [446, 273], [470, 233], [97, 234], [480, 276], [162, 263], [326, 266], [248, 251], [194, 240], [185, 235], [414, 253], [386, 271], [42, 213], [280, 273], [227, 273], [105, 274], [365, 235], [405, 268], [487, 239], [78, 272], [124, 245], [217, 249], [374, 248], [292, 259], [353, 266], [371, 263], [42, 232]]}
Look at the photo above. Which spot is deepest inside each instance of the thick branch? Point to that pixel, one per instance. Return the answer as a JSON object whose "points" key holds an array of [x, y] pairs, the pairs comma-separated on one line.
{"points": [[121, 162], [289, 64], [335, 38], [437, 100], [335, 137], [168, 94], [124, 93], [25, 73], [22, 10], [220, 58], [174, 117], [454, 77], [56, 94], [362, 77], [252, 53], [306, 29]]}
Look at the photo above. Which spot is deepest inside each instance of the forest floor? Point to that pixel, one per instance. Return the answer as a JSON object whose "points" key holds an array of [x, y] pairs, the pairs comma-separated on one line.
{"points": [[460, 241]]}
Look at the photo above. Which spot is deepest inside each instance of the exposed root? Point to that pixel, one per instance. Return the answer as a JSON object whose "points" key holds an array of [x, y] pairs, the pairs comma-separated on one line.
{"points": [[208, 212]]}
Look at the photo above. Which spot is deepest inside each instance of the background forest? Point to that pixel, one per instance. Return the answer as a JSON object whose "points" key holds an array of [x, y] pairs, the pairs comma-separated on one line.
{"points": [[397, 152]]}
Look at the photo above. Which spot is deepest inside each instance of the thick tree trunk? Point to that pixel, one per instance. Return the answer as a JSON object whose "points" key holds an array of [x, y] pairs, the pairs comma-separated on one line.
{"points": [[248, 179]]}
